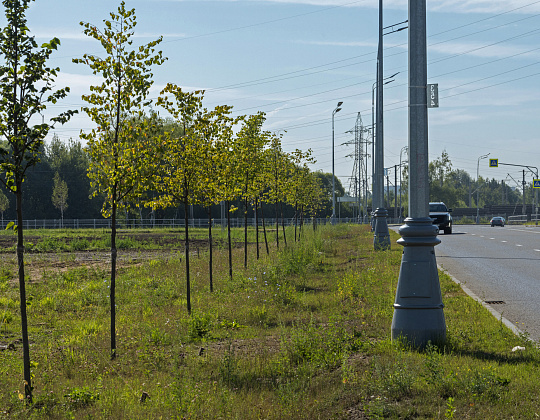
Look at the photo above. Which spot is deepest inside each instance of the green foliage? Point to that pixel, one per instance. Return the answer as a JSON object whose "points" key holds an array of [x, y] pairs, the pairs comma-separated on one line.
{"points": [[122, 148], [456, 188], [26, 88]]}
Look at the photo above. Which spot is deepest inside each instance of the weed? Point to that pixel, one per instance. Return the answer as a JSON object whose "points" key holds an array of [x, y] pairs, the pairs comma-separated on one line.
{"points": [[230, 325], [199, 326], [394, 380], [6, 317], [5, 275], [450, 409], [79, 244], [228, 368], [159, 338], [80, 397]]}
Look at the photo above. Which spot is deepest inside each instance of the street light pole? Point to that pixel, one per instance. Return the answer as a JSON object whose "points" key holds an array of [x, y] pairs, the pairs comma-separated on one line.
{"points": [[381, 237], [379, 146], [333, 218], [478, 187], [418, 308]]}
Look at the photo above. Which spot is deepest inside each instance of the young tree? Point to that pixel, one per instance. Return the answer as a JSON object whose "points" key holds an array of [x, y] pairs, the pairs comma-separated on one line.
{"points": [[179, 168], [276, 161], [60, 195], [228, 179], [248, 151], [122, 154], [212, 127], [26, 87], [297, 182]]}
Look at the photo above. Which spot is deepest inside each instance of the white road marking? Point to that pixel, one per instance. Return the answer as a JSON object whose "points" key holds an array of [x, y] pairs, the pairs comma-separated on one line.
{"points": [[518, 245], [537, 250], [504, 241], [528, 231]]}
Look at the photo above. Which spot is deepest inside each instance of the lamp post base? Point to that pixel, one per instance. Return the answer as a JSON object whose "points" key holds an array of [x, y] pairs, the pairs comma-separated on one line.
{"points": [[418, 308], [381, 238]]}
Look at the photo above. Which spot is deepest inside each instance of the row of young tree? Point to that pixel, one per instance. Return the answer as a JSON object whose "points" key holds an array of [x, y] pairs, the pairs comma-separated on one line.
{"points": [[134, 158]]}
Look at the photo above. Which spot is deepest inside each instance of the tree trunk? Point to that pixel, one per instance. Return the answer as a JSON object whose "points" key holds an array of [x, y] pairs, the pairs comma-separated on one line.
{"points": [[228, 206], [186, 242], [277, 225], [112, 294], [22, 295], [257, 227], [264, 230], [210, 268], [295, 218], [245, 232], [283, 225], [301, 221]]}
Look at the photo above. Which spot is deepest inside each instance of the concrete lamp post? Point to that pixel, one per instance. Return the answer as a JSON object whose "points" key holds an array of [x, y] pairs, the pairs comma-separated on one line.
{"points": [[418, 308], [333, 218]]}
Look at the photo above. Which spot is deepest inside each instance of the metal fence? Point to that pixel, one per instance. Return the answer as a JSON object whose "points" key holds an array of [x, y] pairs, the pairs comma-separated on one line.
{"points": [[165, 223]]}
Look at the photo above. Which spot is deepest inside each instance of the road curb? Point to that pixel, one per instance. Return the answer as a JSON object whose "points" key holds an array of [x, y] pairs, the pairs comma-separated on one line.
{"points": [[493, 312]]}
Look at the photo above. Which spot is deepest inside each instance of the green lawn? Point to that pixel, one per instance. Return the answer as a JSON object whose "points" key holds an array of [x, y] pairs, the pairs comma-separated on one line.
{"points": [[303, 333]]}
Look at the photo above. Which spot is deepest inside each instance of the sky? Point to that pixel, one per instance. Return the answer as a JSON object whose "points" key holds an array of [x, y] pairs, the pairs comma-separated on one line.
{"points": [[296, 59]]}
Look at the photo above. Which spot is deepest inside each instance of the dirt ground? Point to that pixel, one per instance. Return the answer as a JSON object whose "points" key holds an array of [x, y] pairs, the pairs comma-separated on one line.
{"points": [[171, 246]]}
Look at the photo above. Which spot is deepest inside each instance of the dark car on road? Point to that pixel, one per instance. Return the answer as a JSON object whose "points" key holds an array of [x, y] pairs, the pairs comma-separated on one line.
{"points": [[440, 214], [497, 221]]}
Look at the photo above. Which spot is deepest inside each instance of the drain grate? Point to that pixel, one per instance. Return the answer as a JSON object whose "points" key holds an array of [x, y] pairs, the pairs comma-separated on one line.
{"points": [[494, 302]]}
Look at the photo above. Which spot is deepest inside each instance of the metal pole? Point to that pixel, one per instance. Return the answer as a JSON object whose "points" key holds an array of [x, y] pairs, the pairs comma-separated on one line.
{"points": [[334, 112], [395, 191], [478, 187], [524, 205], [418, 308], [379, 149], [381, 238], [373, 182], [333, 175]]}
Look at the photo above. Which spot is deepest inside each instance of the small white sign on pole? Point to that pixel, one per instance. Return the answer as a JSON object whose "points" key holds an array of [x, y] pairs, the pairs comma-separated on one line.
{"points": [[433, 95]]}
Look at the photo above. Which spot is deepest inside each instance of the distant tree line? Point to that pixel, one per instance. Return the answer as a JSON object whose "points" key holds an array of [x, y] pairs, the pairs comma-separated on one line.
{"points": [[69, 162], [457, 189]]}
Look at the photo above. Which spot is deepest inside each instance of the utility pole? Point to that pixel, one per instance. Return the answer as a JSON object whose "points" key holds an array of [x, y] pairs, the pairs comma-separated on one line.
{"points": [[381, 237], [523, 183], [395, 191], [418, 308], [388, 201]]}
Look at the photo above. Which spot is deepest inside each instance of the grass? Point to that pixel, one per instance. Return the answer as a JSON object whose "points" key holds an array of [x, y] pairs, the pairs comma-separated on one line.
{"points": [[300, 334]]}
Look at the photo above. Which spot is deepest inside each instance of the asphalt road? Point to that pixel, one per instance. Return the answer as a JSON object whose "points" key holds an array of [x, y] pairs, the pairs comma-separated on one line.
{"points": [[501, 266]]}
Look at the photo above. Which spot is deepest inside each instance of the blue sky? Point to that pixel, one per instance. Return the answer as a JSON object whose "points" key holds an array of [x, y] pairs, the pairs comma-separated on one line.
{"points": [[295, 59]]}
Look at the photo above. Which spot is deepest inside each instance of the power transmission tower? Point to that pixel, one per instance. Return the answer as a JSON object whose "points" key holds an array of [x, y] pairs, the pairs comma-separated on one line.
{"points": [[358, 181]]}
